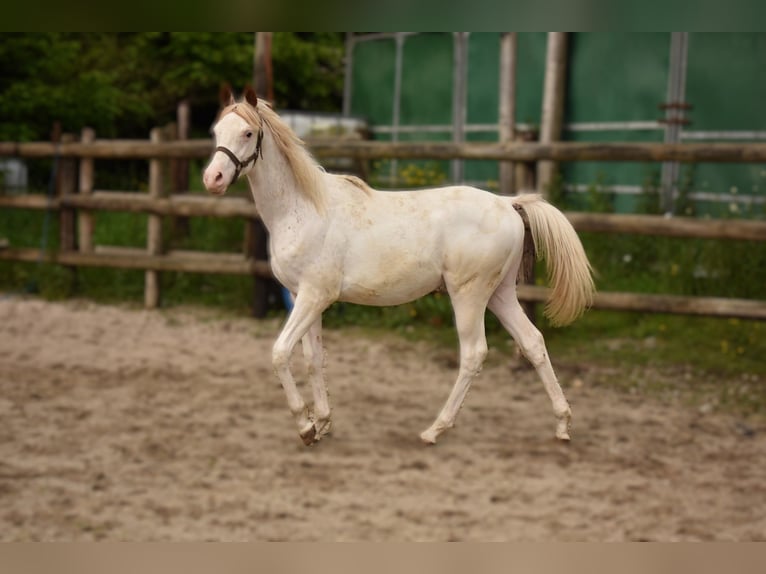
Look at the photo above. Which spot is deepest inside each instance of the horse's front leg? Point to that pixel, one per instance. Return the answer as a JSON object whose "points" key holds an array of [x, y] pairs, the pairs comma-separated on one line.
{"points": [[307, 310], [313, 352]]}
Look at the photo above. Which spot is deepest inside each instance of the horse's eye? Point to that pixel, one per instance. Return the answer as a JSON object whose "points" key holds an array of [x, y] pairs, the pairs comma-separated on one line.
{"points": [[249, 135]]}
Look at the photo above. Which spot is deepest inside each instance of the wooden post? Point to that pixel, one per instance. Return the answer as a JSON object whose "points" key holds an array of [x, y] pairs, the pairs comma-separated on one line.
{"points": [[256, 237], [180, 169], [84, 218], [507, 111], [524, 172], [255, 247], [525, 182], [553, 103], [262, 76], [154, 230], [66, 185]]}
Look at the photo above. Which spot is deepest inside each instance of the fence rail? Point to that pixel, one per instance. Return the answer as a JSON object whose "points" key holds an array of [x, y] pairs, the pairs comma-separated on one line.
{"points": [[134, 258], [349, 148], [188, 205], [157, 203]]}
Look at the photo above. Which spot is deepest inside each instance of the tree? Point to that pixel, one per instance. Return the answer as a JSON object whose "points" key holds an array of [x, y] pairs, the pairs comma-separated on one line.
{"points": [[123, 84], [47, 77], [308, 70]]}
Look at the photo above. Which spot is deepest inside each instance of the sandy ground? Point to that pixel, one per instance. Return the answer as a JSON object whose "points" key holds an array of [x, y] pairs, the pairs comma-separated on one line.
{"points": [[123, 424]]}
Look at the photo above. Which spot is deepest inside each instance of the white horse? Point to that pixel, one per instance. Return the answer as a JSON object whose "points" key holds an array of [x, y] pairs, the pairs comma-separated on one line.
{"points": [[333, 238]]}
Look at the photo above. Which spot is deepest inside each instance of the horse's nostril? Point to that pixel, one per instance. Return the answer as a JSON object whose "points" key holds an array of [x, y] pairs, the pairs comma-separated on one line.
{"points": [[218, 177]]}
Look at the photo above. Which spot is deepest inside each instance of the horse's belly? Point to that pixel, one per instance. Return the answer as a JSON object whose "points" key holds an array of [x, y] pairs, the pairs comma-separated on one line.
{"points": [[391, 280]]}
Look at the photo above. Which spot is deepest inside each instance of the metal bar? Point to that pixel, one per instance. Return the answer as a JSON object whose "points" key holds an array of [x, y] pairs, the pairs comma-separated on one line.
{"points": [[648, 125], [507, 107], [734, 135], [459, 80], [349, 67], [674, 114], [621, 189], [666, 178], [397, 95]]}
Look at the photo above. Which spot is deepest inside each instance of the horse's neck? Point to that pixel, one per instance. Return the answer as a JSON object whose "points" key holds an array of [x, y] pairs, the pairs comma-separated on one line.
{"points": [[275, 190]]}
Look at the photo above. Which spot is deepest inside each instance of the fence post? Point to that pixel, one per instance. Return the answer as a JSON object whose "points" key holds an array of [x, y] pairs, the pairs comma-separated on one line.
{"points": [[84, 218], [180, 169], [525, 173], [525, 179], [66, 184], [154, 227], [255, 248], [507, 111], [554, 94]]}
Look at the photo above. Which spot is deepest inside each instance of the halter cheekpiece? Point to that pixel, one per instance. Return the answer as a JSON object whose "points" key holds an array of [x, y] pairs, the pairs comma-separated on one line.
{"points": [[241, 164]]}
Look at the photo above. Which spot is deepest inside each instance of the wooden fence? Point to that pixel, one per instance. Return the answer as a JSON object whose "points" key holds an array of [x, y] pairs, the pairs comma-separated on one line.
{"points": [[76, 199]]}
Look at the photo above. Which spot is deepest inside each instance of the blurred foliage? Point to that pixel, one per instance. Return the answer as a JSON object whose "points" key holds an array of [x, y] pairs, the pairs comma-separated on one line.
{"points": [[308, 70], [124, 84]]}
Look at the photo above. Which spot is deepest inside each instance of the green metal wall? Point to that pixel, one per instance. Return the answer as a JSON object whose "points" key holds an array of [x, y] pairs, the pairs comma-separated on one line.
{"points": [[727, 87], [615, 85], [615, 77]]}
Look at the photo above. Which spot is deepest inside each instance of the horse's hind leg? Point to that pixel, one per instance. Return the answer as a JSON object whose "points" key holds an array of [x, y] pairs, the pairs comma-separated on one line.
{"points": [[469, 320], [313, 353], [505, 305]]}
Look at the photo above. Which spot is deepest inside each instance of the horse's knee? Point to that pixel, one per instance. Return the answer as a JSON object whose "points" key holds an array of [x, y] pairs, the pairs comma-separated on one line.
{"points": [[280, 356]]}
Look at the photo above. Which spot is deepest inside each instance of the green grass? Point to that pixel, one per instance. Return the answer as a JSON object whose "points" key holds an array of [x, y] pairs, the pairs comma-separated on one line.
{"points": [[725, 347], [709, 361], [706, 362], [27, 228]]}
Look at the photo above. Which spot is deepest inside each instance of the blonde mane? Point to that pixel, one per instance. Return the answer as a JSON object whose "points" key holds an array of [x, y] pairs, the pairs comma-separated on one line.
{"points": [[306, 170]]}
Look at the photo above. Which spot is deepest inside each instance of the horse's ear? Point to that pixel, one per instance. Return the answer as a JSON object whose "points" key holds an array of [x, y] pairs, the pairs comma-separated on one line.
{"points": [[250, 96], [225, 97]]}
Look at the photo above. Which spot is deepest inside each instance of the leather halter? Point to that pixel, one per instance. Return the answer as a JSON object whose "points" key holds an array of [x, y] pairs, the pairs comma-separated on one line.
{"points": [[240, 164]]}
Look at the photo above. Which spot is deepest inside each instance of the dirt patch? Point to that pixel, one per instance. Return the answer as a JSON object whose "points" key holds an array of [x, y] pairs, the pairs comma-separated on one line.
{"points": [[123, 424]]}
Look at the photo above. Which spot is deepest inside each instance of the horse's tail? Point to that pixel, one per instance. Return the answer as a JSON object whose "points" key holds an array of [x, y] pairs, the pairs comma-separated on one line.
{"points": [[569, 271]]}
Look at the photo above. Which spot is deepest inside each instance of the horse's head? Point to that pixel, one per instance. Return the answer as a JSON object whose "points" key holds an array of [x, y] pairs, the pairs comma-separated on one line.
{"points": [[238, 137]]}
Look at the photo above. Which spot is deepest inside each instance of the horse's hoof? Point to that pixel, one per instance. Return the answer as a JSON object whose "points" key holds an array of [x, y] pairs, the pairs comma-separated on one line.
{"points": [[309, 435], [428, 437], [322, 428], [562, 430]]}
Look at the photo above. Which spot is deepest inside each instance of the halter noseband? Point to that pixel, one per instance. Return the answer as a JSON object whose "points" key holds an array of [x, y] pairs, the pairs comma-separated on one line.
{"points": [[239, 165]]}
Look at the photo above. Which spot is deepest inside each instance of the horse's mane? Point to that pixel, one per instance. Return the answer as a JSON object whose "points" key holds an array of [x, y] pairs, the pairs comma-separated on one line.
{"points": [[306, 170], [357, 182]]}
